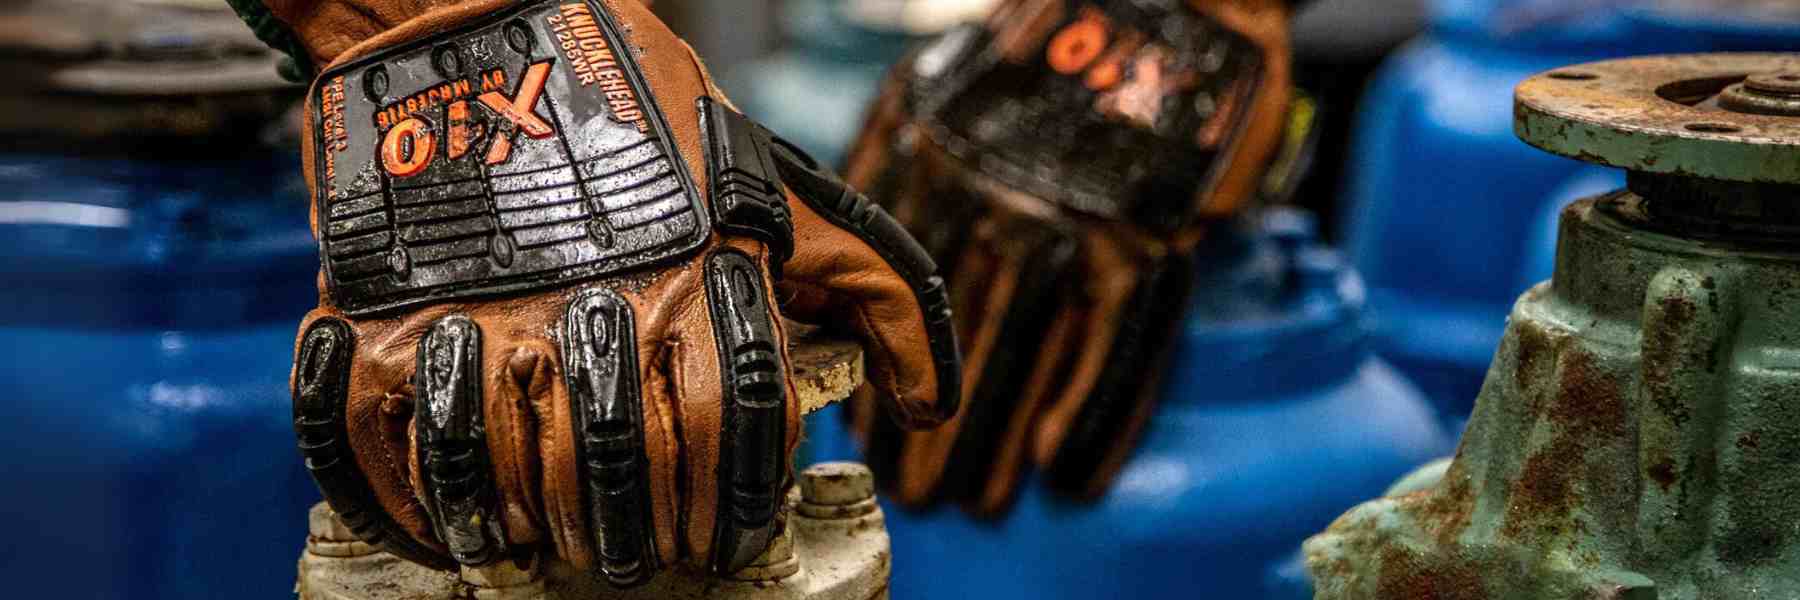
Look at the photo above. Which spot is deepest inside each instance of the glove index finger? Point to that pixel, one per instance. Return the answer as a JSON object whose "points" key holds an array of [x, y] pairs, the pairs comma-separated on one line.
{"points": [[600, 353], [880, 279], [756, 410], [321, 388]]}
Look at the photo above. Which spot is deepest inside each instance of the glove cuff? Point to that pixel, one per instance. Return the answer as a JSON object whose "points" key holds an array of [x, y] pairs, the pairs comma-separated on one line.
{"points": [[298, 67]]}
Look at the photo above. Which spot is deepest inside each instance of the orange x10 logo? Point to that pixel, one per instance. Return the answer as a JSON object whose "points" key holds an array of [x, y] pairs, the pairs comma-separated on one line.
{"points": [[410, 145]]}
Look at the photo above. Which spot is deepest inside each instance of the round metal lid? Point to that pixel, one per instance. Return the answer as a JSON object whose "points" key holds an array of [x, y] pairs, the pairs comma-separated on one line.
{"points": [[1677, 114]]}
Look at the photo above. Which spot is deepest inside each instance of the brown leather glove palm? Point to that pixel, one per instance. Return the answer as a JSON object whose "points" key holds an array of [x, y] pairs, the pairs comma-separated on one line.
{"points": [[1061, 162], [547, 313]]}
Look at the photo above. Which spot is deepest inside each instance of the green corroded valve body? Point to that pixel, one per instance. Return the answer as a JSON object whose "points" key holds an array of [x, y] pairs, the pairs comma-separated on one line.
{"points": [[1638, 434]]}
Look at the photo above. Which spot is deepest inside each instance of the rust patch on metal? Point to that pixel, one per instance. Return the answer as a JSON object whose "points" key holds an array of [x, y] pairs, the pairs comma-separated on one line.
{"points": [[1532, 344], [825, 369], [1444, 510], [1679, 308], [1588, 404], [1543, 494], [1405, 576], [1663, 472], [1661, 370]]}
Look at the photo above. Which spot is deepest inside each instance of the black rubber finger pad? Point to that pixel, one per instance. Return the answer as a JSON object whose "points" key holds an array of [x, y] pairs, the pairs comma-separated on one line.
{"points": [[753, 457], [452, 441], [321, 395], [600, 363], [746, 190]]}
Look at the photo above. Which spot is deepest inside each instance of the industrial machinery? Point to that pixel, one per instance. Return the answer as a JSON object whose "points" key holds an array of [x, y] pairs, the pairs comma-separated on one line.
{"points": [[156, 257], [1442, 274], [1275, 415], [1635, 435]]}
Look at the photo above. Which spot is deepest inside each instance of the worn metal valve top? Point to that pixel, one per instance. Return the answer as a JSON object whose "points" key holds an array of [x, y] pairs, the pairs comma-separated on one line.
{"points": [[1711, 142]]}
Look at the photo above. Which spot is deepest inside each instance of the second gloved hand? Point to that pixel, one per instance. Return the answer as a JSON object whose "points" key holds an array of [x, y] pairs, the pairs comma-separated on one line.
{"points": [[1062, 162]]}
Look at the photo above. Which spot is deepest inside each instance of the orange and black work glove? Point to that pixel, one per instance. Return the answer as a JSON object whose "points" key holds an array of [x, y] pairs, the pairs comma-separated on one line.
{"points": [[551, 259], [1061, 162]]}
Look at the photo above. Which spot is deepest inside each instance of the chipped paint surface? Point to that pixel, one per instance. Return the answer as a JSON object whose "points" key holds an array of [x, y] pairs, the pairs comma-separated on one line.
{"points": [[1651, 114], [1637, 434], [1605, 463]]}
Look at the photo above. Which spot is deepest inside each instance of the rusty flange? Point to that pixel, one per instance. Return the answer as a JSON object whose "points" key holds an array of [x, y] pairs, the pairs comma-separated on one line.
{"points": [[1689, 115]]}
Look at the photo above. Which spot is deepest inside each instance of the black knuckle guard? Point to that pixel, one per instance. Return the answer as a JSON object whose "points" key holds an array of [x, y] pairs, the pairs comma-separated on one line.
{"points": [[600, 364], [321, 394], [459, 492], [838, 203], [746, 192], [753, 458]]}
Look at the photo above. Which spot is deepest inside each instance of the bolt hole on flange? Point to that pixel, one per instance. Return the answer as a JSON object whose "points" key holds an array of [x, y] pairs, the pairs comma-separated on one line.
{"points": [[1692, 92], [1710, 142], [1711, 128], [1676, 114], [1572, 75]]}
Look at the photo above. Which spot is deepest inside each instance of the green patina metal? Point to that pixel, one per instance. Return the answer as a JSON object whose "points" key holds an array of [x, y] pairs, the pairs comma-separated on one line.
{"points": [[1638, 432]]}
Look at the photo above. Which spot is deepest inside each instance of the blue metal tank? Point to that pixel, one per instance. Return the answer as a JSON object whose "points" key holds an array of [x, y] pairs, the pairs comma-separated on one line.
{"points": [[1275, 416], [149, 327], [1443, 275], [156, 257]]}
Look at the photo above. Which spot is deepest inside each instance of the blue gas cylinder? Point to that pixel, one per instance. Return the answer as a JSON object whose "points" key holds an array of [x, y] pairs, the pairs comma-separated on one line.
{"points": [[156, 256], [149, 322], [1275, 415], [1444, 209]]}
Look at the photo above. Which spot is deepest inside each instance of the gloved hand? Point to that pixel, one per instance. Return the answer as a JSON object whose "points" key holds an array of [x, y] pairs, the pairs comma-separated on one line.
{"points": [[1062, 162], [552, 255]]}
